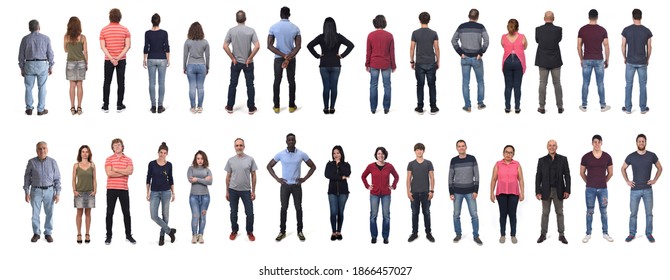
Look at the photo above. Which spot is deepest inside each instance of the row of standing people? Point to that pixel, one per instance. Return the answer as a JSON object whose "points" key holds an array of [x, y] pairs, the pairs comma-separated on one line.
{"points": [[552, 185]]}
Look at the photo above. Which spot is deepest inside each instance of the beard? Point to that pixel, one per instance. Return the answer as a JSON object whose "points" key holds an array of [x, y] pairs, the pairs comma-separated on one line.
{"points": [[239, 153]]}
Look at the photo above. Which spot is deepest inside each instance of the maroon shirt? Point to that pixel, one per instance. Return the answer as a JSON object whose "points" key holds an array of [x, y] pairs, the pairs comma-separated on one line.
{"points": [[596, 169], [593, 36], [380, 52]]}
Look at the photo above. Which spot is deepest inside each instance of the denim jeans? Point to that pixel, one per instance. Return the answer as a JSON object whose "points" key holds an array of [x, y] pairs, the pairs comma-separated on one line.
{"points": [[36, 70], [472, 208], [386, 213], [156, 65], [588, 65], [591, 195], [235, 197], [122, 196], [196, 82], [507, 204], [556, 80], [337, 203], [374, 82], [120, 82], [423, 73], [647, 196], [199, 205], [290, 75], [329, 77], [420, 201], [284, 194], [468, 63], [513, 72], [235, 70], [162, 198], [642, 77], [39, 197]]}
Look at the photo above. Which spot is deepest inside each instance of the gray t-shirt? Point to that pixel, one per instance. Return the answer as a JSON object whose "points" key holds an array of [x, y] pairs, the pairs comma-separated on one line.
{"points": [[424, 38], [241, 37], [642, 165], [199, 187], [240, 169], [420, 175]]}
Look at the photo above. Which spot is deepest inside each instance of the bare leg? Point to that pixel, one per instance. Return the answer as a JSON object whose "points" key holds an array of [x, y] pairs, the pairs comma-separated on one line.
{"points": [[88, 219], [80, 211], [73, 85], [80, 95]]}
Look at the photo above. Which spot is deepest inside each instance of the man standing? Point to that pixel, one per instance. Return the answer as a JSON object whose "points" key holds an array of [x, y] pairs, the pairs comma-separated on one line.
{"points": [[420, 189], [41, 183], [118, 167], [241, 184], [242, 57], [288, 40], [115, 43], [36, 58], [474, 42], [640, 188], [464, 184], [548, 59], [291, 182], [596, 171], [552, 184], [425, 43], [593, 38], [636, 50]]}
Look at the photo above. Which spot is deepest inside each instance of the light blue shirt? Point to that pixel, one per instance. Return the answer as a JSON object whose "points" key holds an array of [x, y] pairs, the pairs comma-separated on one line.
{"points": [[42, 173], [290, 164], [284, 32]]}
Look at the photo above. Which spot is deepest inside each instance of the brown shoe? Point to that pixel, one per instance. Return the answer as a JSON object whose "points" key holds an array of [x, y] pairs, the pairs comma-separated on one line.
{"points": [[48, 237], [29, 112], [43, 112], [35, 238]]}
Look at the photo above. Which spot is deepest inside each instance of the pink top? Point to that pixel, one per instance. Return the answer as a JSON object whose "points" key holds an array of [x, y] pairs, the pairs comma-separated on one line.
{"points": [[515, 47], [508, 177]]}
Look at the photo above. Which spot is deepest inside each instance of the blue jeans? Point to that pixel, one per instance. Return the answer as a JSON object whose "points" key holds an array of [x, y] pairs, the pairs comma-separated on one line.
{"points": [[162, 198], [199, 205], [196, 81], [156, 65], [513, 72], [642, 77], [337, 203], [472, 207], [591, 195], [33, 70], [374, 81], [235, 70], [647, 196], [420, 201], [235, 197], [329, 77], [468, 63], [588, 66], [386, 213], [39, 197], [423, 73]]}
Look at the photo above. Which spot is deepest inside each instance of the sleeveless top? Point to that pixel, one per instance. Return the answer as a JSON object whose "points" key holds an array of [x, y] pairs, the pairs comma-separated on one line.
{"points": [[508, 181], [516, 48], [75, 51], [84, 179]]}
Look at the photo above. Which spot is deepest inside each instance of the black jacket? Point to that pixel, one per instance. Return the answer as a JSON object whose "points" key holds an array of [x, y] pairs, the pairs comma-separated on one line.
{"points": [[334, 173], [548, 53], [543, 180]]}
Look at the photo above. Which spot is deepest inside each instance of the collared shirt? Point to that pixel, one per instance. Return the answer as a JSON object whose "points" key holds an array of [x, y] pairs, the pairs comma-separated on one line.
{"points": [[115, 36], [35, 46], [290, 164], [42, 173], [284, 32]]}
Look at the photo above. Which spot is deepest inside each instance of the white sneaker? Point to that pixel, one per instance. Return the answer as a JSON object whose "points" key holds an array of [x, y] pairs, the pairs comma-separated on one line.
{"points": [[193, 110], [608, 237], [502, 239], [200, 239], [605, 108], [194, 239], [587, 238]]}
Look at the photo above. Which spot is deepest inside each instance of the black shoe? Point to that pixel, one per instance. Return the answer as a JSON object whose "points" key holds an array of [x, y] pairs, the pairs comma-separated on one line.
{"points": [[430, 237], [130, 239], [457, 238], [386, 241], [43, 112], [326, 111], [541, 110], [48, 238], [434, 110], [280, 236], [386, 111], [339, 236], [35, 238], [120, 108], [418, 110], [516, 111], [333, 237], [542, 238], [373, 241], [412, 237], [562, 239], [478, 241], [105, 108], [161, 109], [507, 111], [332, 110], [29, 112], [161, 241], [108, 240], [171, 234], [560, 110], [153, 109], [301, 236]]}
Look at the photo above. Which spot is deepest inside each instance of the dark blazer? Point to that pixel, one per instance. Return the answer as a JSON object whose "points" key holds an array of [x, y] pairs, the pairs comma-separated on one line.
{"points": [[548, 53], [542, 180]]}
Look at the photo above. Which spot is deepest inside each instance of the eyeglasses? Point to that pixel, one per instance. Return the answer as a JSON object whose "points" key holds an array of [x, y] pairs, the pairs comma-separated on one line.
{"points": [[508, 153]]}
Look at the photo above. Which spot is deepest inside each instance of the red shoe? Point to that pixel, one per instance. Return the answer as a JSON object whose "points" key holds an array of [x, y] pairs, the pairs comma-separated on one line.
{"points": [[233, 235], [251, 236]]}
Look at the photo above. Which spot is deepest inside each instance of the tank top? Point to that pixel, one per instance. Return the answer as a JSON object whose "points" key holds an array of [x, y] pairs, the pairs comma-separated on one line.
{"points": [[75, 51], [508, 181], [84, 179], [516, 48]]}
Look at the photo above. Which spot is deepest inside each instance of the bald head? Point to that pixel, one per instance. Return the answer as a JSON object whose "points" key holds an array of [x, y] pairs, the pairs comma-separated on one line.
{"points": [[552, 146], [549, 16]]}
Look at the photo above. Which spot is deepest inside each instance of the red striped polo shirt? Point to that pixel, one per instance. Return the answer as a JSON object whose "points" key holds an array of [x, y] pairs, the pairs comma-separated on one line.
{"points": [[118, 162], [115, 36]]}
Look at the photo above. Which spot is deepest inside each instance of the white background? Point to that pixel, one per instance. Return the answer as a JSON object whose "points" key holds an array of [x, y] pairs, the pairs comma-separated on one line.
{"points": [[352, 126]]}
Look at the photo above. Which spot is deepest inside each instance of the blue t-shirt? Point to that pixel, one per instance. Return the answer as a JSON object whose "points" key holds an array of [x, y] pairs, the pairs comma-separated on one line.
{"points": [[290, 164], [637, 37], [284, 32], [641, 165]]}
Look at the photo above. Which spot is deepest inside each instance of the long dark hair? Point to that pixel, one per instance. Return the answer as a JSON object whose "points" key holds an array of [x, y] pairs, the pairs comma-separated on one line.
{"points": [[339, 148], [330, 33]]}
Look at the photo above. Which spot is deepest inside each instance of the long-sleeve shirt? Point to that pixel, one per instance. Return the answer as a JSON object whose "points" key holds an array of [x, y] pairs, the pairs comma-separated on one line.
{"points": [[160, 177], [329, 55], [42, 173], [196, 52], [474, 39], [463, 175], [380, 52], [35, 46], [200, 186], [156, 44], [380, 178], [334, 172]]}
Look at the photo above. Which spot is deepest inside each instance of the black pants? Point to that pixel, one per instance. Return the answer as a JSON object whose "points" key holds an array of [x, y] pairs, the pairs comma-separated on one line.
{"points": [[420, 201], [120, 82], [507, 204], [285, 192], [290, 73], [122, 196]]}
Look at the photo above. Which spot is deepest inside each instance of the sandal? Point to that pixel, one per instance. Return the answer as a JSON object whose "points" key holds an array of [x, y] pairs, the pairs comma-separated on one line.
{"points": [[79, 238], [88, 239], [72, 110], [79, 111]]}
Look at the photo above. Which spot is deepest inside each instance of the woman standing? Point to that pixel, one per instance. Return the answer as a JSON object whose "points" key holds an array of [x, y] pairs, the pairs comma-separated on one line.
{"points": [[200, 177], [380, 190], [507, 175], [160, 190], [77, 62], [196, 65], [84, 186], [337, 172], [330, 56], [156, 58], [514, 63], [380, 58]]}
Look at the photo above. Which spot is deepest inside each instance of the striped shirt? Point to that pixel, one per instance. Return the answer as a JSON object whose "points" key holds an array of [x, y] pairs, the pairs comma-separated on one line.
{"points": [[42, 173], [118, 162], [114, 36], [463, 175]]}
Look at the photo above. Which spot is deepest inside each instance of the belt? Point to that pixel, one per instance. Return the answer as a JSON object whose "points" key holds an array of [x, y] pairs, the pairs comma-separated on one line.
{"points": [[36, 60], [43, 187]]}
